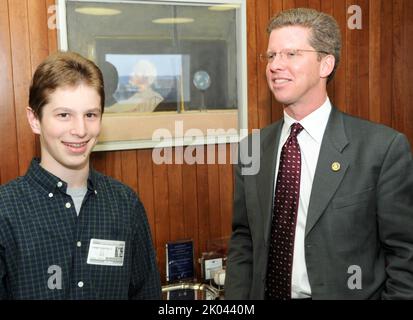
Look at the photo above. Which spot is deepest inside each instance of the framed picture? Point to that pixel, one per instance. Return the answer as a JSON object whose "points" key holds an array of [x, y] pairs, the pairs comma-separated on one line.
{"points": [[180, 261], [174, 71]]}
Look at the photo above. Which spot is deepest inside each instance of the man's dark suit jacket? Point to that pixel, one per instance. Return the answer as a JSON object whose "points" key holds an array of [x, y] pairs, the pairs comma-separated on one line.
{"points": [[361, 215]]}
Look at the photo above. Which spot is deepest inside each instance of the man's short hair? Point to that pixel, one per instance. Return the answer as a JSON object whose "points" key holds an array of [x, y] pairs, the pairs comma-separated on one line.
{"points": [[325, 32], [63, 69]]}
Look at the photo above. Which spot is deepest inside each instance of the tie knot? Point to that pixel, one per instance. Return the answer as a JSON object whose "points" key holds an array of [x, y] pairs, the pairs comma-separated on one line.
{"points": [[296, 128]]}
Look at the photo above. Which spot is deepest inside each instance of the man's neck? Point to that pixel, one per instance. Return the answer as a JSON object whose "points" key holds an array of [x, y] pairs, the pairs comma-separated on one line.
{"points": [[299, 111]]}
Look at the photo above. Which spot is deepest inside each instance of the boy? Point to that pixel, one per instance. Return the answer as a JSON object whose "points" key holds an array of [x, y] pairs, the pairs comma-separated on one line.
{"points": [[67, 231]]}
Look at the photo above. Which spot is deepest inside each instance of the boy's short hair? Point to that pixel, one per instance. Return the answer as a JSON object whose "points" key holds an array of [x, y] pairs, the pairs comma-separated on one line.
{"points": [[63, 69]]}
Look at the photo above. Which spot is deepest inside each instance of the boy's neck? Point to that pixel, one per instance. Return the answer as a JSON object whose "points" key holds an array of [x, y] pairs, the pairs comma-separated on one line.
{"points": [[75, 178]]}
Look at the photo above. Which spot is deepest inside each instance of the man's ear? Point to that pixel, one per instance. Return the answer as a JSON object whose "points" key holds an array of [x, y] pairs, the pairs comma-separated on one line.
{"points": [[33, 120], [327, 66]]}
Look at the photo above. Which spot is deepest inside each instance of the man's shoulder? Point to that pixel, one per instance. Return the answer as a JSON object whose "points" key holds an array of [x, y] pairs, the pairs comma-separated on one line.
{"points": [[269, 129], [359, 127]]}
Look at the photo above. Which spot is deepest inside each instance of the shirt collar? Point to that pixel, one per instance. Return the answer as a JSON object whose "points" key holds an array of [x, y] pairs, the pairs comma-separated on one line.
{"points": [[49, 182], [315, 123]]}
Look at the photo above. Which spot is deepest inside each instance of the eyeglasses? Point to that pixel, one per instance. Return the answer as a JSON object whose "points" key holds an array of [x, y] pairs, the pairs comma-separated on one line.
{"points": [[286, 54]]}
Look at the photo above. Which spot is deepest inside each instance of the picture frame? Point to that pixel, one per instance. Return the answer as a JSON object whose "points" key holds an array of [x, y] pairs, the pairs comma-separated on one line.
{"points": [[179, 261], [175, 71]]}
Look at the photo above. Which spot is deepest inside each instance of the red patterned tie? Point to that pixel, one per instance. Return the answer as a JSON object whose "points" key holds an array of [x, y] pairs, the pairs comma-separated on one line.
{"points": [[287, 193]]}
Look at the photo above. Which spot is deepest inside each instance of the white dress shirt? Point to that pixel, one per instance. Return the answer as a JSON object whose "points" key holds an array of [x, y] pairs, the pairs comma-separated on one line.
{"points": [[309, 140]]}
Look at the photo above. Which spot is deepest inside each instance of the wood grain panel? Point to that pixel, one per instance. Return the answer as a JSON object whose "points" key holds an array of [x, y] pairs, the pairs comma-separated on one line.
{"points": [[214, 201], [51, 25], [408, 92], [39, 40], [162, 217], [175, 187], [386, 63], [327, 6], [203, 206], [146, 187], [276, 6], [38, 32], [340, 94], [226, 192], [363, 49], [374, 61], [315, 4], [190, 208], [8, 146], [301, 4], [398, 65], [352, 83], [288, 4], [264, 96], [253, 61], [98, 161], [114, 165], [129, 169], [20, 46]]}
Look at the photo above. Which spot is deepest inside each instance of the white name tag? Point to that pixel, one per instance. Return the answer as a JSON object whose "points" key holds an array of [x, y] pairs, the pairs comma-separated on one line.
{"points": [[106, 252]]}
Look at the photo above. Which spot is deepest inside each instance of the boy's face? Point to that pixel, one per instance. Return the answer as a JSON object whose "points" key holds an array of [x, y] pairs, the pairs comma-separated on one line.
{"points": [[68, 129]]}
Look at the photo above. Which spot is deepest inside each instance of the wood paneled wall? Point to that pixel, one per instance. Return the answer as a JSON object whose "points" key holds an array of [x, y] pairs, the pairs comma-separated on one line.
{"points": [[374, 81]]}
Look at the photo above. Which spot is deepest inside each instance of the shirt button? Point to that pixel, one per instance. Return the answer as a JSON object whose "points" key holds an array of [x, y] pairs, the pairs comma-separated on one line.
{"points": [[96, 192], [68, 205], [59, 184], [50, 195], [79, 244], [80, 284]]}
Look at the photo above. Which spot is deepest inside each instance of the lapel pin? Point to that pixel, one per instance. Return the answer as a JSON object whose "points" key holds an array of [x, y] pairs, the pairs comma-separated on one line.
{"points": [[335, 166]]}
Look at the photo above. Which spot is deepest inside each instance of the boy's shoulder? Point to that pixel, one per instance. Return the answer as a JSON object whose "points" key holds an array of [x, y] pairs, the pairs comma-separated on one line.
{"points": [[11, 187], [111, 184], [12, 195]]}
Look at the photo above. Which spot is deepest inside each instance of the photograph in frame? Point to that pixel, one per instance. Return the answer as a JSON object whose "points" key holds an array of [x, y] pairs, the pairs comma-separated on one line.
{"points": [[188, 79]]}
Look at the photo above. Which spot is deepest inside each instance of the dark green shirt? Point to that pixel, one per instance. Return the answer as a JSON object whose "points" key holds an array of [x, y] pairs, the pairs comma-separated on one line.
{"points": [[44, 245]]}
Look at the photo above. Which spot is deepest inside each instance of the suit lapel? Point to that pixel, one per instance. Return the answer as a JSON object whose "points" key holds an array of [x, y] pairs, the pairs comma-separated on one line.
{"points": [[326, 180], [266, 175]]}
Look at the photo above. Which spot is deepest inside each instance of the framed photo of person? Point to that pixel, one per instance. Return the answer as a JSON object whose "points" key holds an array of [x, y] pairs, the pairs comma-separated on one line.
{"points": [[174, 71]]}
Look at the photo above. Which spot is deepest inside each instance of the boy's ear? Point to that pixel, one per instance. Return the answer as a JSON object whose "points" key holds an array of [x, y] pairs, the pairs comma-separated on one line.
{"points": [[33, 120]]}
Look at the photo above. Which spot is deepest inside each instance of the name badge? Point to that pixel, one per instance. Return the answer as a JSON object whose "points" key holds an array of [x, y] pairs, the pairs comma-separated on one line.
{"points": [[106, 252]]}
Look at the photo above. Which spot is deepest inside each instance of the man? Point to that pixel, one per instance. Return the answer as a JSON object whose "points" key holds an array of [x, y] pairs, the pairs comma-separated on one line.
{"points": [[330, 213], [67, 231]]}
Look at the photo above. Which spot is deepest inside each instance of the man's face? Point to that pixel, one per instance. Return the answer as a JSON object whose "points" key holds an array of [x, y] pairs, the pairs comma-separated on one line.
{"points": [[69, 128], [294, 81]]}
